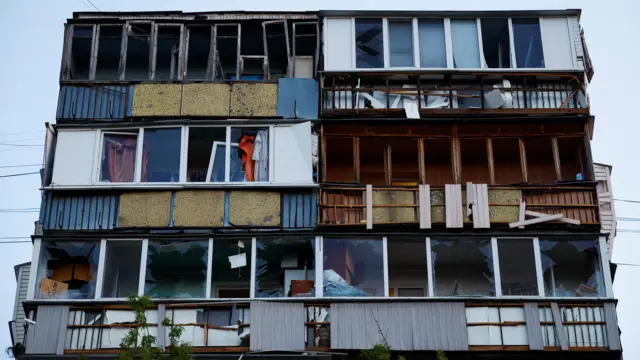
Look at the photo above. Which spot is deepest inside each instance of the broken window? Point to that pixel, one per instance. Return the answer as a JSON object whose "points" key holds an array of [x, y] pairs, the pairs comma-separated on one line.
{"points": [[339, 159], [474, 160], [540, 165], [167, 52], [121, 269], [496, 43], [285, 267], [373, 160], [138, 50], [466, 51], [67, 270], [206, 152], [438, 164], [433, 50], [506, 161], [109, 44], [572, 159], [369, 43], [231, 268], [401, 43], [528, 43], [276, 47], [518, 274], [249, 155], [198, 53], [571, 268], [118, 161], [305, 45], [404, 162], [407, 262], [353, 267], [227, 50], [176, 269], [161, 155], [80, 59], [462, 267]]}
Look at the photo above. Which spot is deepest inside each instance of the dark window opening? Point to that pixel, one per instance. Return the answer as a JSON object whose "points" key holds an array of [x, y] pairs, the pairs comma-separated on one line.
{"points": [[339, 158], [437, 158], [253, 68], [404, 163], [226, 51], [373, 152], [206, 145], [528, 43], [277, 51], [231, 268], [572, 159], [109, 46], [407, 258], [167, 52], [161, 155], [122, 269], [138, 52], [305, 43], [80, 58], [285, 268], [198, 52], [540, 165], [462, 267], [495, 43], [506, 161], [353, 268], [518, 275], [369, 43], [474, 160]]}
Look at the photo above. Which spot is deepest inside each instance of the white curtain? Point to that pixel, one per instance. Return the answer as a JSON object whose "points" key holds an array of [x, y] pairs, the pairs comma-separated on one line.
{"points": [[261, 156], [466, 49]]}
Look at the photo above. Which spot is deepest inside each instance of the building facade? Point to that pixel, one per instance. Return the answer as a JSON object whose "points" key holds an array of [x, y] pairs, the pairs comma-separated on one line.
{"points": [[315, 183]]}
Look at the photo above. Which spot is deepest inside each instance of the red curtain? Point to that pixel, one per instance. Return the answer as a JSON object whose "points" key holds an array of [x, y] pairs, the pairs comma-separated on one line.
{"points": [[122, 160]]}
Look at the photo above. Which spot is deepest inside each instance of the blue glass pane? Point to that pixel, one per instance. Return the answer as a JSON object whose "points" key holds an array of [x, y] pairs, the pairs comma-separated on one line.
{"points": [[353, 268], [400, 43], [528, 43], [369, 49], [466, 51], [433, 51], [161, 155], [217, 173]]}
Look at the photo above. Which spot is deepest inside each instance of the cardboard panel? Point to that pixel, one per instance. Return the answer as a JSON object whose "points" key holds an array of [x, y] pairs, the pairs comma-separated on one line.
{"points": [[254, 99], [394, 214], [199, 208], [254, 208], [145, 209], [157, 99], [206, 99]]}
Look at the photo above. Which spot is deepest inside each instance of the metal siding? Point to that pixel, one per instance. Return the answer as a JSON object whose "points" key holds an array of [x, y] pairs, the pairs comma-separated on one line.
{"points": [[48, 335], [91, 102], [21, 295], [534, 330], [277, 326], [613, 334], [561, 337], [298, 210], [80, 212], [297, 98], [574, 29]]}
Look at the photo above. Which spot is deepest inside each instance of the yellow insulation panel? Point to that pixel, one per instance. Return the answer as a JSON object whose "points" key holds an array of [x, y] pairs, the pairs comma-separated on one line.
{"points": [[156, 100], [206, 99], [504, 214], [254, 99], [254, 208], [145, 209], [394, 214], [204, 208], [498, 196]]}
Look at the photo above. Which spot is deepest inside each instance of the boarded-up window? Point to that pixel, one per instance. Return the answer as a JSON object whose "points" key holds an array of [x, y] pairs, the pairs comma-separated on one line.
{"points": [[506, 161], [572, 158], [475, 163], [339, 159], [372, 160], [404, 162], [540, 167]]}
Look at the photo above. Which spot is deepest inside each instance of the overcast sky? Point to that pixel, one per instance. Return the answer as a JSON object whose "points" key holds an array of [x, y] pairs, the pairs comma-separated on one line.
{"points": [[31, 38]]}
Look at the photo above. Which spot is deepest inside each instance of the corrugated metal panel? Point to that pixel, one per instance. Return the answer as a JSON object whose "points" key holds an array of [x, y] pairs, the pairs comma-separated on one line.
{"points": [[277, 326], [613, 334], [47, 336], [297, 98], [91, 102], [299, 210], [21, 295], [561, 337], [80, 212], [534, 331], [407, 326]]}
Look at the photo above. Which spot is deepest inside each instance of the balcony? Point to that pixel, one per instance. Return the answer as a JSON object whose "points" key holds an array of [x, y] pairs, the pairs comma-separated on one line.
{"points": [[395, 94]]}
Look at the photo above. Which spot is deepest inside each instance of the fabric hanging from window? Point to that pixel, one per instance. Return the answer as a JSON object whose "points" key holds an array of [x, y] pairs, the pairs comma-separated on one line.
{"points": [[246, 149], [433, 50], [466, 49], [261, 156], [121, 159]]}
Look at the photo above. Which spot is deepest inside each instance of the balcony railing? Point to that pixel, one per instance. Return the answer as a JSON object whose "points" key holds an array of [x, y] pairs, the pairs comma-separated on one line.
{"points": [[397, 94]]}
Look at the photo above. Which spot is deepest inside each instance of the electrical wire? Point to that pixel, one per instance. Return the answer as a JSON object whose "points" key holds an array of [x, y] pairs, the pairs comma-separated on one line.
{"points": [[628, 201], [95, 7], [21, 133], [22, 174], [29, 145], [16, 166], [15, 242]]}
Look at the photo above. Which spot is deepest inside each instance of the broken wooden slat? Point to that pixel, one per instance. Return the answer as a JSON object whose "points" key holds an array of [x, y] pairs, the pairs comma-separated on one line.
{"points": [[424, 200], [523, 206], [369, 201], [564, 220], [537, 220], [481, 207], [453, 205]]}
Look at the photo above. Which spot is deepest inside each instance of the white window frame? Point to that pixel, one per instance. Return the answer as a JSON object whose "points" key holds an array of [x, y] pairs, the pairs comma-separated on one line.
{"points": [[102, 265], [537, 262]]}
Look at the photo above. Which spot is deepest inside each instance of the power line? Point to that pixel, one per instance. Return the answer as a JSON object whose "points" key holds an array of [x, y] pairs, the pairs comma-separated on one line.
{"points": [[15, 166], [14, 237], [21, 133], [15, 242], [22, 174], [628, 201], [7, 144], [95, 7]]}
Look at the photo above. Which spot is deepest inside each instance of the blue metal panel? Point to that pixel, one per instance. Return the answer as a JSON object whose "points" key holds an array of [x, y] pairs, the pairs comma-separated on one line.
{"points": [[94, 102], [297, 98], [80, 212], [299, 210]]}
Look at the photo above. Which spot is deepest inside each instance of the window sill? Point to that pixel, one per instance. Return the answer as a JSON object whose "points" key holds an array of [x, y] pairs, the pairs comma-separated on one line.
{"points": [[169, 186]]}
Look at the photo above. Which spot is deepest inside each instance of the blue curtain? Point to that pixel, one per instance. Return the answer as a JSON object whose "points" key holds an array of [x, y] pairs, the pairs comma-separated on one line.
{"points": [[401, 43], [433, 50], [528, 43], [466, 49]]}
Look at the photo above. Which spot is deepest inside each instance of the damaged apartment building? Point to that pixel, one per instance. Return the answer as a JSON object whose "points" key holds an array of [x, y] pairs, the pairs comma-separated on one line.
{"points": [[310, 184]]}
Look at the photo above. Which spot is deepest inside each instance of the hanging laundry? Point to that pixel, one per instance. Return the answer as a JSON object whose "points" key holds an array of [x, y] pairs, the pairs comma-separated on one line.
{"points": [[245, 147]]}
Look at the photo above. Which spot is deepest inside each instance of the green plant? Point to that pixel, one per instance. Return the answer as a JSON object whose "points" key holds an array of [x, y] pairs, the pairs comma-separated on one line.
{"points": [[139, 343]]}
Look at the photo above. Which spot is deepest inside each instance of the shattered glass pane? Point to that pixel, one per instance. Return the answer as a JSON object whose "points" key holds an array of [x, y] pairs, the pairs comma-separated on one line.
{"points": [[231, 268], [462, 267], [353, 267], [176, 269], [528, 43], [369, 49], [571, 268], [67, 270], [285, 267]]}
